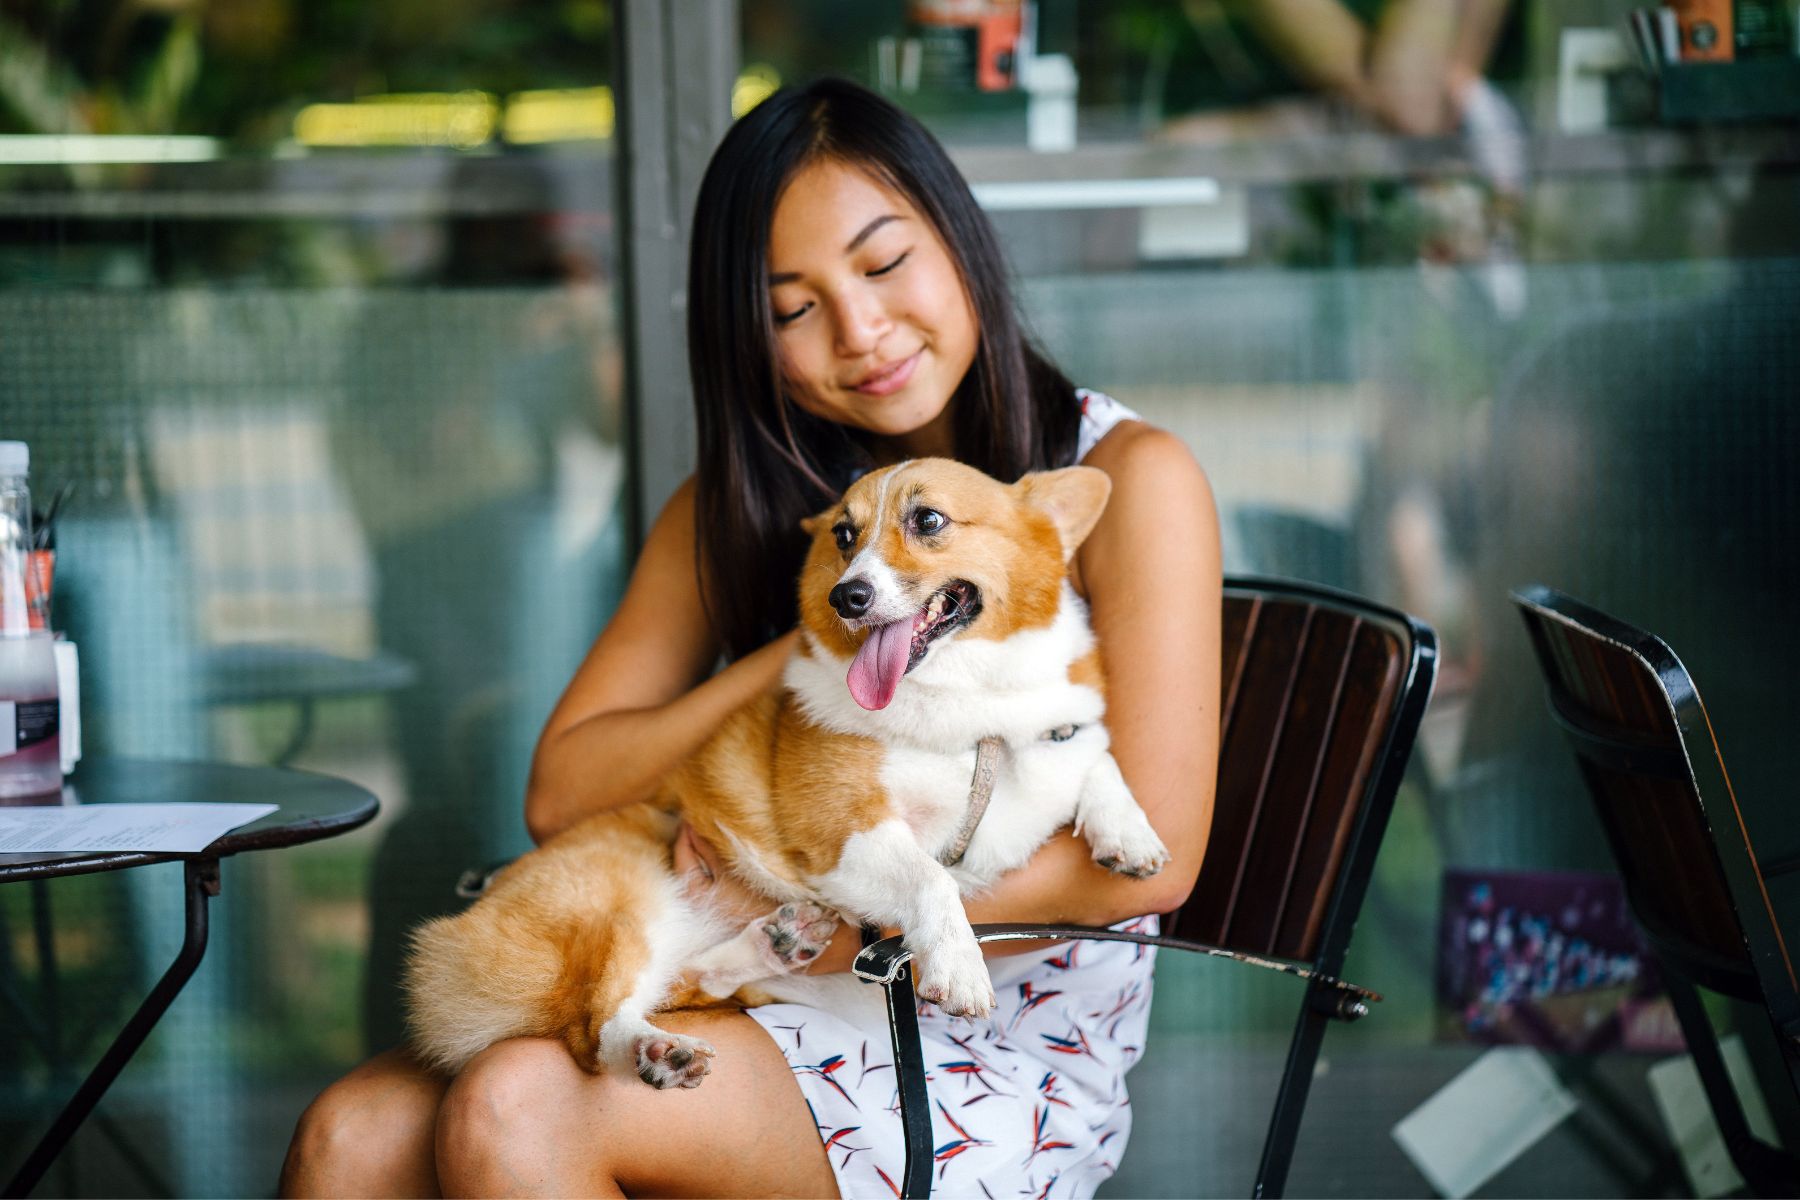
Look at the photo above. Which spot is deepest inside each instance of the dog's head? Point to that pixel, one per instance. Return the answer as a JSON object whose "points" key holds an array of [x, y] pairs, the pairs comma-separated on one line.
{"points": [[930, 550]]}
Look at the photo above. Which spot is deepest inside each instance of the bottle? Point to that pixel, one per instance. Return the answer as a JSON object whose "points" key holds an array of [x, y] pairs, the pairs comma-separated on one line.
{"points": [[30, 748]]}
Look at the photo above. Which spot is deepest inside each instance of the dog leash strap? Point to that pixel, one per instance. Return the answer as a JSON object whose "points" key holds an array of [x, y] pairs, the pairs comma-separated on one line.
{"points": [[981, 790]]}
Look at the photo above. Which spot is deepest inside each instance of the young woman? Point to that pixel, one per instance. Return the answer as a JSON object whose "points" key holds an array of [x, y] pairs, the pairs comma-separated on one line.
{"points": [[850, 308]]}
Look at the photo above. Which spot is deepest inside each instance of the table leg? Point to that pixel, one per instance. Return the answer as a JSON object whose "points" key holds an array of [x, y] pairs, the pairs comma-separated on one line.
{"points": [[200, 881]]}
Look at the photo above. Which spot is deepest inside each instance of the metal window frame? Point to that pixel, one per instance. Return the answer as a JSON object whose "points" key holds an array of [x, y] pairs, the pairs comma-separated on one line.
{"points": [[675, 62]]}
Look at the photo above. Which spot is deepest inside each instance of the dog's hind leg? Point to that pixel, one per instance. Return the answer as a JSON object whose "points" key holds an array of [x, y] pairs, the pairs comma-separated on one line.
{"points": [[782, 942], [629, 1042]]}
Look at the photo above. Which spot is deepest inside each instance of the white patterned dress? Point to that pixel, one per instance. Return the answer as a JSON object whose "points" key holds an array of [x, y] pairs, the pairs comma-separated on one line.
{"points": [[1027, 1102]]}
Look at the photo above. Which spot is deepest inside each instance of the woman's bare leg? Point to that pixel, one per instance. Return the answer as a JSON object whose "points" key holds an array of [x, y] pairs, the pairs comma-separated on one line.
{"points": [[523, 1120], [369, 1134]]}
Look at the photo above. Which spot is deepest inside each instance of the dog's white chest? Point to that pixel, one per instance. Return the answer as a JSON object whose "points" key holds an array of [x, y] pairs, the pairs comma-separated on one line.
{"points": [[1036, 787]]}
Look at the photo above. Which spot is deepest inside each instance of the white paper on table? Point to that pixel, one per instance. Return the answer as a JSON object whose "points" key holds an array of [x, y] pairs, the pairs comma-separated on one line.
{"points": [[114, 828], [1476, 1124], [1688, 1115]]}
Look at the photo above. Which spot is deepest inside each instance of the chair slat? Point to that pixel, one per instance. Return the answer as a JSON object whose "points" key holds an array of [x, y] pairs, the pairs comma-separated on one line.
{"points": [[1371, 691], [1237, 629], [1270, 660], [1302, 744]]}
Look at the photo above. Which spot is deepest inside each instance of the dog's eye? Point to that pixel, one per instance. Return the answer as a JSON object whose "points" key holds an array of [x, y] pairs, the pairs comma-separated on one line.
{"points": [[845, 533], [930, 520]]}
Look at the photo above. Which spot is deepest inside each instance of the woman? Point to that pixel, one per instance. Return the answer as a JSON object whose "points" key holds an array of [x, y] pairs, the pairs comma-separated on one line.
{"points": [[850, 309]]}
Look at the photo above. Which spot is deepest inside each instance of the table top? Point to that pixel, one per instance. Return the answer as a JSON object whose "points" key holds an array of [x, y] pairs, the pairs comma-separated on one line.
{"points": [[312, 806]]}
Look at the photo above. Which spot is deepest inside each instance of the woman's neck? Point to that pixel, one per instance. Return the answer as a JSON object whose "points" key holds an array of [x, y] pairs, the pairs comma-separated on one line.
{"points": [[934, 439]]}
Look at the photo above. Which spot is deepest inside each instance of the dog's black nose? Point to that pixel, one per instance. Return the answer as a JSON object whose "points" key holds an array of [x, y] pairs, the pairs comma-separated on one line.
{"points": [[851, 598]]}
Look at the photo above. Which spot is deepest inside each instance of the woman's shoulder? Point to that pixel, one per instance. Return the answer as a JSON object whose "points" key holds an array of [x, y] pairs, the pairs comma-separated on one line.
{"points": [[1144, 459], [1100, 415], [1161, 502], [1118, 439]]}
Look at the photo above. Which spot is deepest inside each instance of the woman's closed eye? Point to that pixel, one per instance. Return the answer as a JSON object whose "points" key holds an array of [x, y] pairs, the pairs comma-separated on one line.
{"points": [[783, 319], [879, 271]]}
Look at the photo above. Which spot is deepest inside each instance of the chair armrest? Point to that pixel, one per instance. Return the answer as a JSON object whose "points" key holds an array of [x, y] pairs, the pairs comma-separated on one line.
{"points": [[883, 961]]}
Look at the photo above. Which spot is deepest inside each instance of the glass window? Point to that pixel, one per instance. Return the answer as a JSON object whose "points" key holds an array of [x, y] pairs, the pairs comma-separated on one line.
{"points": [[1447, 298], [310, 308]]}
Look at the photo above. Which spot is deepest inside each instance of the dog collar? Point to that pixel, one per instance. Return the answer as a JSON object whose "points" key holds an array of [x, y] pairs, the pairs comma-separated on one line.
{"points": [[981, 788]]}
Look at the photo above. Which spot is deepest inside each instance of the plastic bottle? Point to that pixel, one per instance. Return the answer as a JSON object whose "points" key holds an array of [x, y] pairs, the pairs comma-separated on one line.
{"points": [[30, 748]]}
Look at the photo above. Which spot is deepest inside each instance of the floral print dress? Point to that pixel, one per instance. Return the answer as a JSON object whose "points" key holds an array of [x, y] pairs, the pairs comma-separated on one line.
{"points": [[1029, 1101]]}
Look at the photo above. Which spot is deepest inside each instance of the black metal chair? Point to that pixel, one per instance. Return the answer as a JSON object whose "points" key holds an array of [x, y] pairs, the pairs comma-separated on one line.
{"points": [[1648, 755], [1322, 697]]}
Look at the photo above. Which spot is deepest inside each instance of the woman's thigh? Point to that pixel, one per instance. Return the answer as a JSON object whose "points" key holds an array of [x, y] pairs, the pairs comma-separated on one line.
{"points": [[524, 1119]]}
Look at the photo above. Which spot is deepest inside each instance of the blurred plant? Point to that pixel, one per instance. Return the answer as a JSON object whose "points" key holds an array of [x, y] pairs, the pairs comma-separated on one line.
{"points": [[239, 69]]}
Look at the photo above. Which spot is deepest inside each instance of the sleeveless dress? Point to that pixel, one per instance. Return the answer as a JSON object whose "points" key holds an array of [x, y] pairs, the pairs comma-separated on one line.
{"points": [[1029, 1101]]}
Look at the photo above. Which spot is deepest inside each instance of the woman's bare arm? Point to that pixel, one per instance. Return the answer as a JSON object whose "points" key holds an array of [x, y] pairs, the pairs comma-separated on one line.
{"points": [[637, 706]]}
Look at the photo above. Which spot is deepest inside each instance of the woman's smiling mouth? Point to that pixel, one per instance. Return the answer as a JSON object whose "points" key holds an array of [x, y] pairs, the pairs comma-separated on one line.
{"points": [[885, 381]]}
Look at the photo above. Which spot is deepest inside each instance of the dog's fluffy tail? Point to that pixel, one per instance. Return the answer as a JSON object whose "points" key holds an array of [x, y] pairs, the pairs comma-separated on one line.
{"points": [[468, 986], [562, 938]]}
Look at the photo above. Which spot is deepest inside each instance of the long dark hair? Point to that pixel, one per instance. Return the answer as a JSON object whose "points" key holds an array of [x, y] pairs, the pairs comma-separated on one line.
{"points": [[764, 463]]}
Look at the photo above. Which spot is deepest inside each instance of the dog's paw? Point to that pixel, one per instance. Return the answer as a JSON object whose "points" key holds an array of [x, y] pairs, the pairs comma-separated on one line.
{"points": [[1136, 852], [955, 978], [670, 1060], [797, 934]]}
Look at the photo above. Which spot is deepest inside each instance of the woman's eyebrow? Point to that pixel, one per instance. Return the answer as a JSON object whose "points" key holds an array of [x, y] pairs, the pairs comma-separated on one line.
{"points": [[862, 236]]}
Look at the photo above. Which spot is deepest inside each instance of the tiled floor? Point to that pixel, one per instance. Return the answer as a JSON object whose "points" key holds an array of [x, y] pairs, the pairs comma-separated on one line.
{"points": [[1202, 1104]]}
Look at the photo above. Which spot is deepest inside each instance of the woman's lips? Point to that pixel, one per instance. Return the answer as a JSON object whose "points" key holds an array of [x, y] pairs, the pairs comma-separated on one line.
{"points": [[889, 380]]}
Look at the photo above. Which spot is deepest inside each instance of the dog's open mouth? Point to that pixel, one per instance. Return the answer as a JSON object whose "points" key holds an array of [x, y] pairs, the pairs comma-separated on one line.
{"points": [[890, 651]]}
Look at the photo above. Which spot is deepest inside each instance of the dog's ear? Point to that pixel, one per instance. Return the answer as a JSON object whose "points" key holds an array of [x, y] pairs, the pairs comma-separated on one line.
{"points": [[811, 525], [1073, 498]]}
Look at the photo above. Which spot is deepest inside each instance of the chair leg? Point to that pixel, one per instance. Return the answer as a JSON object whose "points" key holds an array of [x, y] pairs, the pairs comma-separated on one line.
{"points": [[1766, 1170], [1290, 1098], [909, 1074]]}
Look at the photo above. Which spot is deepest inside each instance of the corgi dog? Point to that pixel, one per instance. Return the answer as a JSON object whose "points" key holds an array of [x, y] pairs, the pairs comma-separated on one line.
{"points": [[936, 615]]}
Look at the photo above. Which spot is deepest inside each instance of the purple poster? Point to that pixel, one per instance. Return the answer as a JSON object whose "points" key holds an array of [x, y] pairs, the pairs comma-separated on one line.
{"points": [[1551, 959]]}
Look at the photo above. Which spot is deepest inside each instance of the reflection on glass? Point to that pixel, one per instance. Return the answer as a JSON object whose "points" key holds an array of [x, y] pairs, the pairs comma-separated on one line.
{"points": [[1469, 298]]}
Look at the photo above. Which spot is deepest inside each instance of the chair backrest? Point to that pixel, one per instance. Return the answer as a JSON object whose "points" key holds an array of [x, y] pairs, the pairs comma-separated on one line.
{"points": [[1648, 755], [1321, 698]]}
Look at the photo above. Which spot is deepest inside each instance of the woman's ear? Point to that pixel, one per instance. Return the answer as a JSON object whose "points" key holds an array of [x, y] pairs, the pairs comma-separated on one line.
{"points": [[1073, 498]]}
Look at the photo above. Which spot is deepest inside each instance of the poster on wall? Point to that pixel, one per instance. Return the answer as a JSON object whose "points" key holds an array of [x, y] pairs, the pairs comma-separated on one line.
{"points": [[1551, 959]]}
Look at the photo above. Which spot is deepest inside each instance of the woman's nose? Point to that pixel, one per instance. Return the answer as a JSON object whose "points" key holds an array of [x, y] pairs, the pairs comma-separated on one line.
{"points": [[862, 320]]}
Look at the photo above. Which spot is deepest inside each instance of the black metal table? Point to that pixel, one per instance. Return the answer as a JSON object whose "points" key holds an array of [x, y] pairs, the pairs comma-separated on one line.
{"points": [[311, 807]]}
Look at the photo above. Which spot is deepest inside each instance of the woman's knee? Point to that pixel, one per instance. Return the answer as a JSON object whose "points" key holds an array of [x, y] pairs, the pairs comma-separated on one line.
{"points": [[501, 1106], [368, 1132]]}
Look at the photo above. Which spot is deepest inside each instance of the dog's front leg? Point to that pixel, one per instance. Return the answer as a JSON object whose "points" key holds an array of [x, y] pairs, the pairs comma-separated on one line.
{"points": [[1108, 816], [885, 876]]}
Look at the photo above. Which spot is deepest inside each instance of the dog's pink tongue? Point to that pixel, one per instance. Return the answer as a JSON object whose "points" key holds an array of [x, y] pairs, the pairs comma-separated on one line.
{"points": [[880, 663]]}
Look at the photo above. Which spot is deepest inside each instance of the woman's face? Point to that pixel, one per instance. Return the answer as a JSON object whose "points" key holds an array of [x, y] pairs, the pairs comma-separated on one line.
{"points": [[872, 322]]}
